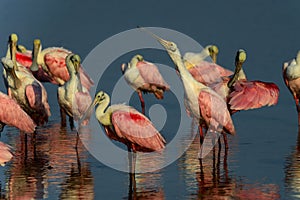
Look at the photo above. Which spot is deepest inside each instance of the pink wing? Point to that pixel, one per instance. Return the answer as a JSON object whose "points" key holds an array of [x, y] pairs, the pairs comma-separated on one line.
{"points": [[253, 94], [24, 59], [149, 72], [34, 94], [208, 73], [13, 115], [83, 101], [5, 153], [214, 111], [138, 129], [55, 61], [85, 80]]}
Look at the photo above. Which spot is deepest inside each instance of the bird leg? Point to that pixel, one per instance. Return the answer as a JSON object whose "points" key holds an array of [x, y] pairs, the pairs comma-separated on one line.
{"points": [[201, 134], [225, 141], [298, 108], [1, 127], [142, 102], [71, 121], [132, 161], [63, 117]]}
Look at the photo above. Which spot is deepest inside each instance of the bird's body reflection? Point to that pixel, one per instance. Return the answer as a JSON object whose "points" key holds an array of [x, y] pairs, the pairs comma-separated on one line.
{"points": [[292, 171], [211, 179], [148, 187], [50, 160]]}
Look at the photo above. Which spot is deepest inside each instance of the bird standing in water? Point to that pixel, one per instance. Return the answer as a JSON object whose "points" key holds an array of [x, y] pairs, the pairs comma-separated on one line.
{"points": [[244, 94], [73, 98], [144, 76], [128, 126], [203, 104], [25, 89]]}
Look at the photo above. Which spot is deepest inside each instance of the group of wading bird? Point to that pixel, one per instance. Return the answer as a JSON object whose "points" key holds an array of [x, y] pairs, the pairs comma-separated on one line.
{"points": [[212, 93]]}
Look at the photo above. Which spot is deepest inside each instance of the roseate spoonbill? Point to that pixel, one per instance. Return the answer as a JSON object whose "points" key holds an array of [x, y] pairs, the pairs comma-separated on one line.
{"points": [[52, 60], [5, 153], [24, 58], [27, 91], [201, 102], [13, 115], [291, 77], [144, 76], [73, 98], [128, 126], [244, 94], [203, 71]]}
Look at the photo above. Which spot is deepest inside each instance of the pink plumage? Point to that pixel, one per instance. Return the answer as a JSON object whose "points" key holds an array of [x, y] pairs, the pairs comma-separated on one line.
{"points": [[214, 111], [253, 94], [36, 97], [209, 73], [55, 61], [25, 60], [133, 128], [13, 115], [83, 101], [5, 153], [153, 81]]}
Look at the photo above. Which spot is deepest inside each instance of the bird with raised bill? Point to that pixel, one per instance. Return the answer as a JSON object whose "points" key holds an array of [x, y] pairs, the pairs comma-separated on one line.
{"points": [[202, 103]]}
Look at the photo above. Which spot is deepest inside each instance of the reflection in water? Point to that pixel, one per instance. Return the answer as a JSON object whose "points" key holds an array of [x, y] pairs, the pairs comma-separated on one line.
{"points": [[211, 178], [148, 187], [292, 171], [49, 161]]}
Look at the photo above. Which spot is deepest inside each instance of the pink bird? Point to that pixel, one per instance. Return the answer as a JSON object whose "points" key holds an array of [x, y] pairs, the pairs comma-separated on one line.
{"points": [[242, 94], [291, 77], [13, 115], [27, 91], [203, 71], [144, 76], [5, 153], [53, 62], [202, 103], [73, 98], [128, 126]]}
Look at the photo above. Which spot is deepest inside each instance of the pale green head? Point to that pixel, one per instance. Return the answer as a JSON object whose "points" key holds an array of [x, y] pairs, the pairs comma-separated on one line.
{"points": [[13, 38], [213, 49], [36, 49], [101, 97], [241, 56], [73, 62], [213, 52], [137, 58]]}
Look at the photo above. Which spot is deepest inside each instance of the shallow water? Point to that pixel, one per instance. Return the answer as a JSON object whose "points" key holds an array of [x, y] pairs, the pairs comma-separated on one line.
{"points": [[263, 158]]}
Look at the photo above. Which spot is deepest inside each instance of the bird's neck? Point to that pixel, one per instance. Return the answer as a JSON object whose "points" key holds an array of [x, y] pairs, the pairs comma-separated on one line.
{"points": [[38, 56], [185, 75], [103, 114], [242, 75], [16, 81], [239, 74], [298, 58]]}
